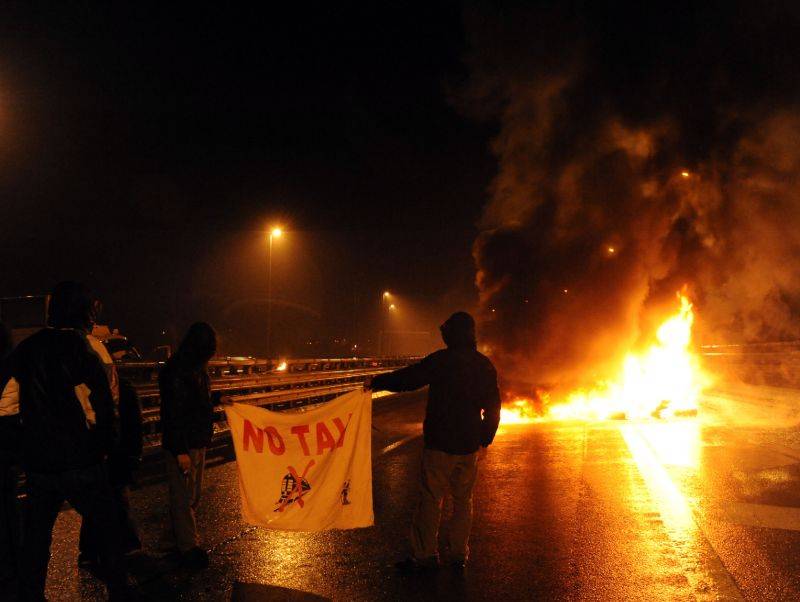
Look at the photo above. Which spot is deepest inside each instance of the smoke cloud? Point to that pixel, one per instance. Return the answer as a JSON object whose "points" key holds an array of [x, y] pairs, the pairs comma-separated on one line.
{"points": [[642, 150]]}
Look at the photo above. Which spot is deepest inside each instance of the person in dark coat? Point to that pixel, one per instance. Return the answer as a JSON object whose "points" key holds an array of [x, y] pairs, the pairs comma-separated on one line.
{"points": [[187, 426], [67, 421], [9, 459], [122, 466], [461, 417]]}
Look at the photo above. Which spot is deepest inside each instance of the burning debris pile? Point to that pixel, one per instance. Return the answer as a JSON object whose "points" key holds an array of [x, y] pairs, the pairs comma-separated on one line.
{"points": [[642, 151]]}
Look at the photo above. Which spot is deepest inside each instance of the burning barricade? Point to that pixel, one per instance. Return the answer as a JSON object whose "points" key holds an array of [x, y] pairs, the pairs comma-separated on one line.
{"points": [[663, 381]]}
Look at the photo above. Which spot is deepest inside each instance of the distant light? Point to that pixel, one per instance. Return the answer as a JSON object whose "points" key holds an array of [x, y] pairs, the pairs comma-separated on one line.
{"points": [[276, 232], [386, 294], [526, 300], [282, 367], [392, 307], [685, 174], [566, 290], [611, 250], [493, 310]]}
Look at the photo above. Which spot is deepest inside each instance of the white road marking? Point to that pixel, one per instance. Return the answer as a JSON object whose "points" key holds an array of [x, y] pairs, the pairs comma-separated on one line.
{"points": [[396, 444], [706, 574]]}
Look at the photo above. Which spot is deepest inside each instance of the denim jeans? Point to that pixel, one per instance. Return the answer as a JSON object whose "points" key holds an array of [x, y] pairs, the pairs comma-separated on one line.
{"points": [[184, 497]]}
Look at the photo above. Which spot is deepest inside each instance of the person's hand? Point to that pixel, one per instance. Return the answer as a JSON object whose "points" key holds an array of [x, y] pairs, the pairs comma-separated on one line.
{"points": [[184, 462]]}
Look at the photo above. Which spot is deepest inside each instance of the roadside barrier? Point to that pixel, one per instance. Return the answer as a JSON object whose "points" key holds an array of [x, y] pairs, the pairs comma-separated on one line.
{"points": [[274, 385]]}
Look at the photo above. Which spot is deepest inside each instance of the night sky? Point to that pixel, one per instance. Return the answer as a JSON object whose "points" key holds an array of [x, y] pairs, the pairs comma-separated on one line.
{"points": [[145, 150]]}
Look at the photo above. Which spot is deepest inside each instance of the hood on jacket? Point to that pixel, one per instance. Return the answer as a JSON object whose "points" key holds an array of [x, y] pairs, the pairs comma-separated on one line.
{"points": [[198, 346], [72, 305], [459, 330]]}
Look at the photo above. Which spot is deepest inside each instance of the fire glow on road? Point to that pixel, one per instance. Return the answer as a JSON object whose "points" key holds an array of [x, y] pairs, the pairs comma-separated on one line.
{"points": [[652, 446]]}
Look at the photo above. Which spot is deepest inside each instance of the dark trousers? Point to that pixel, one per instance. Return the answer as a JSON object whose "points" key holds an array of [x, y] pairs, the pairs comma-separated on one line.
{"points": [[9, 520], [89, 544], [89, 493]]}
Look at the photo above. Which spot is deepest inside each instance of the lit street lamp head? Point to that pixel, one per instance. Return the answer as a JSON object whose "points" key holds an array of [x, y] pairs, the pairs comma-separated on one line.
{"points": [[276, 232]]}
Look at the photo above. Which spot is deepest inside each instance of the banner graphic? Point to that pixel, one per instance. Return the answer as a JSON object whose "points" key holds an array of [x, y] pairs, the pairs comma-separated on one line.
{"points": [[305, 471]]}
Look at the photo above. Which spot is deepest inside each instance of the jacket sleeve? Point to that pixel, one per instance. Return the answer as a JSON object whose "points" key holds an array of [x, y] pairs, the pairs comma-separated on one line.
{"points": [[491, 409], [9, 388], [9, 409], [175, 411], [409, 378], [93, 375]]}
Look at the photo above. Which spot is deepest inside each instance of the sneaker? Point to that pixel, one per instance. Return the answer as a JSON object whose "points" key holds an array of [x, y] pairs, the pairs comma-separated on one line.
{"points": [[195, 559]]}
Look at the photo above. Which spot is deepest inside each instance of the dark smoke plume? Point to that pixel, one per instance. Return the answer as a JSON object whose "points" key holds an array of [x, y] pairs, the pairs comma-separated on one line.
{"points": [[642, 149]]}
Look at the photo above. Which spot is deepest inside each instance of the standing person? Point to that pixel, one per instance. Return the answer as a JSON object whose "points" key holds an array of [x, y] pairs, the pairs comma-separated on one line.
{"points": [[122, 466], [461, 417], [187, 423], [67, 430], [9, 458]]}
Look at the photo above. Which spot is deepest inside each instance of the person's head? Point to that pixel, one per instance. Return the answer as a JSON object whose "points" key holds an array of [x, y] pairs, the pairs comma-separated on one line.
{"points": [[459, 330], [5, 341], [72, 305], [198, 345]]}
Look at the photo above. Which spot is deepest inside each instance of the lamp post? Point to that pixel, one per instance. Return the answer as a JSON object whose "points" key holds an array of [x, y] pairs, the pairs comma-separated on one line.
{"points": [[386, 301], [274, 233]]}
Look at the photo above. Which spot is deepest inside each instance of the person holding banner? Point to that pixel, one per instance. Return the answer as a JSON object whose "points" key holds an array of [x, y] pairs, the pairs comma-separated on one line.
{"points": [[187, 423], [462, 416]]}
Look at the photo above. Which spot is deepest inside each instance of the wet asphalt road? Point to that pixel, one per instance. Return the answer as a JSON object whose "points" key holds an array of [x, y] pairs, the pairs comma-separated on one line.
{"points": [[702, 509]]}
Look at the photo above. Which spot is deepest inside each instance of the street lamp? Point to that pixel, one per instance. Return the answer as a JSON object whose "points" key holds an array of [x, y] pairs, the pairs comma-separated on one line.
{"points": [[386, 302], [275, 232]]}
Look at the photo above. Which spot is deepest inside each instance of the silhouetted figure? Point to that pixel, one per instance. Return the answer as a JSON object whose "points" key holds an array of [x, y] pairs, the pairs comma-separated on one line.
{"points": [[122, 466], [67, 415], [462, 416], [187, 423], [9, 460]]}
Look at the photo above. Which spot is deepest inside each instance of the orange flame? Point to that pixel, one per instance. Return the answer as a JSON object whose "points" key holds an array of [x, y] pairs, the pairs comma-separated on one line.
{"points": [[519, 411], [664, 381]]}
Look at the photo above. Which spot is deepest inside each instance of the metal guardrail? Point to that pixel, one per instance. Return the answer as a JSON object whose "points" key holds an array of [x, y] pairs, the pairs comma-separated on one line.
{"points": [[272, 385]]}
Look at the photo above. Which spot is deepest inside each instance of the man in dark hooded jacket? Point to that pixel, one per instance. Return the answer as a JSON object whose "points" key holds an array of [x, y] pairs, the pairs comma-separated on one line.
{"points": [[461, 417], [187, 423], [67, 419]]}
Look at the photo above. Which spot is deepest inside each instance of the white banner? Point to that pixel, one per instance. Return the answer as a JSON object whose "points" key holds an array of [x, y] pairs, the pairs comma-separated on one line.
{"points": [[306, 471]]}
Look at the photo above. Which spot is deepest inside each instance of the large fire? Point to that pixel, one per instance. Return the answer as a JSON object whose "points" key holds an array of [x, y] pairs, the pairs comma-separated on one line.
{"points": [[664, 381]]}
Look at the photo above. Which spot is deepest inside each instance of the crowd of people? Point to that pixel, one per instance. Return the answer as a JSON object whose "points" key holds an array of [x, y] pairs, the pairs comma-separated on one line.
{"points": [[75, 430]]}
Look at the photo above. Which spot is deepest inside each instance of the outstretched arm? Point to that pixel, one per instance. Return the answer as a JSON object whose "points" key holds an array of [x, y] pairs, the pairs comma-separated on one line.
{"points": [[409, 378]]}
